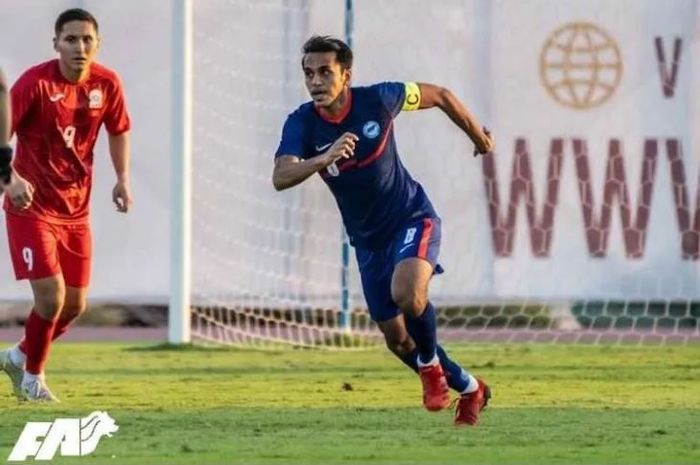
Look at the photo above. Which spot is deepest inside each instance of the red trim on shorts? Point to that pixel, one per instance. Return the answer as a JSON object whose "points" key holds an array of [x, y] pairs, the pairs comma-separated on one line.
{"points": [[425, 238]]}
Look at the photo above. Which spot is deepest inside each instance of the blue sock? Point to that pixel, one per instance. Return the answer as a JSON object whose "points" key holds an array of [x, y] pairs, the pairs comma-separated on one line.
{"points": [[457, 378], [424, 332]]}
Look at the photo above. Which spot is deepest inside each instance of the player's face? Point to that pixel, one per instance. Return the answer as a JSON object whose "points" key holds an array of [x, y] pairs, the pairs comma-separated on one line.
{"points": [[77, 45], [325, 78]]}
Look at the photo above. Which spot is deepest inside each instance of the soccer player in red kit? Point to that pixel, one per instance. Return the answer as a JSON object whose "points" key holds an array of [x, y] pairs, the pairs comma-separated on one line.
{"points": [[58, 108]]}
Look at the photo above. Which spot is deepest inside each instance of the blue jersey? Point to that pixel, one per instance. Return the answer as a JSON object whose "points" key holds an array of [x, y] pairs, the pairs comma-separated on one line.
{"points": [[374, 191]]}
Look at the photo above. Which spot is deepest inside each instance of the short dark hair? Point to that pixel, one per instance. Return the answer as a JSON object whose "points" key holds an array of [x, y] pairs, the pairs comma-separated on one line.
{"points": [[74, 14], [322, 44]]}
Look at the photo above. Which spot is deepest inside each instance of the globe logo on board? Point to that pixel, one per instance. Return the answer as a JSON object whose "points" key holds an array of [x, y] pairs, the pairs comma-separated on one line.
{"points": [[580, 65]]}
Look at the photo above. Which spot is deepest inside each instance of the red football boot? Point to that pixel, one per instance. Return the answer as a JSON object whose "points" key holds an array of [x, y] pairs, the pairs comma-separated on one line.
{"points": [[469, 406], [436, 393]]}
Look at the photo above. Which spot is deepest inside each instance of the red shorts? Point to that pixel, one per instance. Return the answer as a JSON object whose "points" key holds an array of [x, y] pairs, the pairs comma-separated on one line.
{"points": [[40, 249]]}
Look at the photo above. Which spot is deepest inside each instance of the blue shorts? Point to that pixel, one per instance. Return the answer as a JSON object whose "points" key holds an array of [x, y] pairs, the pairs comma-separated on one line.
{"points": [[419, 238]]}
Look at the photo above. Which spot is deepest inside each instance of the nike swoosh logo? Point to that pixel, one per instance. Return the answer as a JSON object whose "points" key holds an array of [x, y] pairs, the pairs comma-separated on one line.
{"points": [[323, 147], [56, 97], [405, 247]]}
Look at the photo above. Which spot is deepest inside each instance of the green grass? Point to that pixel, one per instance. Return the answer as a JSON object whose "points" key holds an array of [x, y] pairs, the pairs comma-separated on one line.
{"points": [[553, 404]]}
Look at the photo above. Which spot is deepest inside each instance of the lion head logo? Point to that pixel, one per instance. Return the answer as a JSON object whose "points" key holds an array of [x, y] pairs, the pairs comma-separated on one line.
{"points": [[92, 428]]}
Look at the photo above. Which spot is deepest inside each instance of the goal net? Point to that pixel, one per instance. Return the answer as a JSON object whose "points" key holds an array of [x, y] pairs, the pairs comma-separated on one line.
{"points": [[582, 226]]}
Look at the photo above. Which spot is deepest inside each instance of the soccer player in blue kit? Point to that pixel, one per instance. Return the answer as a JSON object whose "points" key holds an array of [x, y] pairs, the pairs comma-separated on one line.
{"points": [[346, 135]]}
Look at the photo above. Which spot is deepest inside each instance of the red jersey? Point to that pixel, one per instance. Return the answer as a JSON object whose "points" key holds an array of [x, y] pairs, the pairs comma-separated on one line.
{"points": [[57, 122]]}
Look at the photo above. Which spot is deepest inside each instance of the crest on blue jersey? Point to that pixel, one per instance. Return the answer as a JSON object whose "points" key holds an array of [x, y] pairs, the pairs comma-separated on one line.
{"points": [[333, 169], [370, 129]]}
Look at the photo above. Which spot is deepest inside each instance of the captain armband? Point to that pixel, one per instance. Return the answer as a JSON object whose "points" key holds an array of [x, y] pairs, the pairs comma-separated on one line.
{"points": [[412, 99]]}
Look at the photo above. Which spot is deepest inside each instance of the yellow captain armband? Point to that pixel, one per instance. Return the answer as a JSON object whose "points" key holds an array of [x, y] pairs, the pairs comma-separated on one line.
{"points": [[412, 100]]}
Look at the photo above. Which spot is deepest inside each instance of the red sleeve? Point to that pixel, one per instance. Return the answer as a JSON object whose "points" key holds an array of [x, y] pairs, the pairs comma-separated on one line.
{"points": [[22, 96], [117, 117]]}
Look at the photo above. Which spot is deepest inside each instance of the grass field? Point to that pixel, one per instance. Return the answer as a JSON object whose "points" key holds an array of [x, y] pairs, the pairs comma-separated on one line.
{"points": [[552, 405]]}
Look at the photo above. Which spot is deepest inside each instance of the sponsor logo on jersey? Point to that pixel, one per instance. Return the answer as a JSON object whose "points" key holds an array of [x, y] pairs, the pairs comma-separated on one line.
{"points": [[321, 148]]}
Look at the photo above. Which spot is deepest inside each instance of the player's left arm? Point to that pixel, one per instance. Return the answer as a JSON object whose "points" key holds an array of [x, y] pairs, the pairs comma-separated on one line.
{"points": [[5, 123], [120, 153], [430, 96], [5, 115], [117, 123]]}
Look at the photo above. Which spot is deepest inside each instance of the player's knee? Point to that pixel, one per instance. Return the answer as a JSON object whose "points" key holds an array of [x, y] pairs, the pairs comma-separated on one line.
{"points": [[49, 297], [399, 344], [72, 310], [410, 301], [49, 305]]}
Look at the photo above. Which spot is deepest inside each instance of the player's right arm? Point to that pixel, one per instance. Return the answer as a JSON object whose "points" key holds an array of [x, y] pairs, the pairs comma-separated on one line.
{"points": [[291, 167], [22, 95], [291, 170]]}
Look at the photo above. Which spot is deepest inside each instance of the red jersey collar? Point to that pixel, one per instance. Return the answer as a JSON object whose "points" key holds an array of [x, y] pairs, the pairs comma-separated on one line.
{"points": [[335, 119]]}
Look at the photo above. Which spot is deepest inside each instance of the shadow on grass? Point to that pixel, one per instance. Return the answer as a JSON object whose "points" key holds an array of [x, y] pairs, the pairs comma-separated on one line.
{"points": [[190, 347]]}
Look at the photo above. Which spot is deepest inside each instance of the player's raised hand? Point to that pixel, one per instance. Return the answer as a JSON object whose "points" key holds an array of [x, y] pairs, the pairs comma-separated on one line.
{"points": [[121, 196], [484, 144], [20, 191], [343, 147]]}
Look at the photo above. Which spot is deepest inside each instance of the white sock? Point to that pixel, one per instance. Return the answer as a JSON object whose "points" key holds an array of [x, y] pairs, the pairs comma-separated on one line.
{"points": [[30, 378], [433, 361], [472, 386], [17, 357]]}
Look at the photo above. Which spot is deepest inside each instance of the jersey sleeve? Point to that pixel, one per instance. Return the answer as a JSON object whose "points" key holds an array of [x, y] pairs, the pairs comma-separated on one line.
{"points": [[22, 96], [116, 118], [399, 96], [292, 140]]}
